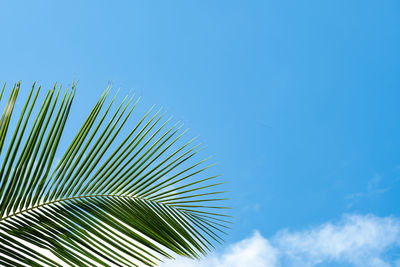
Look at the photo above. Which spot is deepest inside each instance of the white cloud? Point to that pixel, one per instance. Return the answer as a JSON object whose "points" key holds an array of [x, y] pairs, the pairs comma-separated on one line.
{"points": [[356, 240], [255, 251]]}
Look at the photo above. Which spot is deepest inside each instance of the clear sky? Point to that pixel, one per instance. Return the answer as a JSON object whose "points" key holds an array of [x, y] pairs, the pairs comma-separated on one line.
{"points": [[299, 101]]}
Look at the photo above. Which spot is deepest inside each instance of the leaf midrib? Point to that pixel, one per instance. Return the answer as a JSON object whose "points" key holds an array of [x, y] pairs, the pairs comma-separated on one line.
{"points": [[63, 200]]}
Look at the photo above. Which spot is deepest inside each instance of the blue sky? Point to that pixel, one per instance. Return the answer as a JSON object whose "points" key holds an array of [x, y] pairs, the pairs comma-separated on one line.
{"points": [[297, 100]]}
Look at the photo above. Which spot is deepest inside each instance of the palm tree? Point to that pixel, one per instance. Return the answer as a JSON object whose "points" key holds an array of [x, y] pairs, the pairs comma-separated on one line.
{"points": [[105, 202]]}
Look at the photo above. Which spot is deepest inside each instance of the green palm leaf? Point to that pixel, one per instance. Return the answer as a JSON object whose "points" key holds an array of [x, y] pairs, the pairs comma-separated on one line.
{"points": [[110, 200]]}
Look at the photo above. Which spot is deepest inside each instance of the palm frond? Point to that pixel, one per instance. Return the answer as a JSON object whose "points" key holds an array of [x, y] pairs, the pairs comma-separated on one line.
{"points": [[109, 200]]}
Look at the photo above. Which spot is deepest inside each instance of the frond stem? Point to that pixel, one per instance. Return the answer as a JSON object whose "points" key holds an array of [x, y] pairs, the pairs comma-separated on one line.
{"points": [[63, 200]]}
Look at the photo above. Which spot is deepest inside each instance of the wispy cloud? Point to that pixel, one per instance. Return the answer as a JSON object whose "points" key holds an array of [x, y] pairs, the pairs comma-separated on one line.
{"points": [[374, 188], [356, 240]]}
